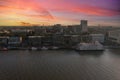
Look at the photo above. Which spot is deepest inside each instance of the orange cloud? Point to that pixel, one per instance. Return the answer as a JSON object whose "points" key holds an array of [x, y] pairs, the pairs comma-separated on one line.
{"points": [[25, 24], [24, 8]]}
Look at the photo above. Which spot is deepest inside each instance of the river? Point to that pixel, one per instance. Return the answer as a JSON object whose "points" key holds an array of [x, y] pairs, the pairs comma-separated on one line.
{"points": [[60, 65]]}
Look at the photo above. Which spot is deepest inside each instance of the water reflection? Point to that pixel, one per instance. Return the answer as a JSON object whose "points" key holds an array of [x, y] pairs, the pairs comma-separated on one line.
{"points": [[90, 53], [60, 65]]}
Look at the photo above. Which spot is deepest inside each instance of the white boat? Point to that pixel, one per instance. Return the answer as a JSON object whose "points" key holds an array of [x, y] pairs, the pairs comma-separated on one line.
{"points": [[33, 48], [90, 46], [55, 47], [44, 48]]}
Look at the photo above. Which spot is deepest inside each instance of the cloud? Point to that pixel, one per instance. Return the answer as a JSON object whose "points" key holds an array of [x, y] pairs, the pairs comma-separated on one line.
{"points": [[26, 24], [90, 7], [51, 11], [39, 7], [26, 8]]}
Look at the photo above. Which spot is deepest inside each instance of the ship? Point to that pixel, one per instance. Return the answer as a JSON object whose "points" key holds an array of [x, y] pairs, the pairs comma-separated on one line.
{"points": [[93, 46]]}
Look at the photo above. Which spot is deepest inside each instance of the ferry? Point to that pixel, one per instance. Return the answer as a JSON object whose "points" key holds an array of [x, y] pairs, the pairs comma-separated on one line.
{"points": [[96, 46]]}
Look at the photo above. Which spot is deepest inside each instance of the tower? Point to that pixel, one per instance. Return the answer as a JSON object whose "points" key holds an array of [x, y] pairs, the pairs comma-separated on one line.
{"points": [[84, 26]]}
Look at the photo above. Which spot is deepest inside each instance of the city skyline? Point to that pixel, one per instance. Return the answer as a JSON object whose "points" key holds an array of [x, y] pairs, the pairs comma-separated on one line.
{"points": [[47, 12]]}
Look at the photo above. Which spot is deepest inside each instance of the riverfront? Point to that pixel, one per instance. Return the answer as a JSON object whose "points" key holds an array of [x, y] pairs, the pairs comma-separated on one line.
{"points": [[60, 65]]}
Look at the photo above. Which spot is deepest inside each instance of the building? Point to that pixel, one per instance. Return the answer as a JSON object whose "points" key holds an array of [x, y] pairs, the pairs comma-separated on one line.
{"points": [[58, 28], [3, 41], [97, 37], [84, 26], [75, 39], [14, 42], [85, 38], [67, 42], [21, 32], [34, 41], [70, 41], [47, 40], [114, 36], [77, 29]]}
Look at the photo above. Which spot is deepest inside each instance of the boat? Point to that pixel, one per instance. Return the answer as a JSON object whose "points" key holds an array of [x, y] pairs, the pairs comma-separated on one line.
{"points": [[44, 48], [55, 48], [4, 49], [51, 48], [33, 48], [95, 46]]}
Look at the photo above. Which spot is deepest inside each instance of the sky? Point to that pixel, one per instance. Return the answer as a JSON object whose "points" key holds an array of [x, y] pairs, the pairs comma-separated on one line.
{"points": [[65, 12]]}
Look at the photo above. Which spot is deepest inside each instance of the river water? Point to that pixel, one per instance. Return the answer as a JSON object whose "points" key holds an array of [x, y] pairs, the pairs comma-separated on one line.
{"points": [[60, 65]]}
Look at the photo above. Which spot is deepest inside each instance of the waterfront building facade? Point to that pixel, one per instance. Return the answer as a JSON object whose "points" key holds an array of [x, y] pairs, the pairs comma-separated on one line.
{"points": [[84, 26], [114, 36], [34, 41], [14, 42], [3, 41], [97, 37]]}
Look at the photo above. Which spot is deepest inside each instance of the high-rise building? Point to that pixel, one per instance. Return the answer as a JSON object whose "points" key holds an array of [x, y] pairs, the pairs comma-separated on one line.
{"points": [[84, 26]]}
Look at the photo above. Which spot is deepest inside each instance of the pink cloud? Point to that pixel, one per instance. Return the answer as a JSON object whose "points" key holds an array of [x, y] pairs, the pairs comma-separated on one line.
{"points": [[53, 10]]}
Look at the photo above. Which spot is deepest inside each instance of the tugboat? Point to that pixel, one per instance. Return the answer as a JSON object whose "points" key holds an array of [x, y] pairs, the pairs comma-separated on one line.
{"points": [[96, 46]]}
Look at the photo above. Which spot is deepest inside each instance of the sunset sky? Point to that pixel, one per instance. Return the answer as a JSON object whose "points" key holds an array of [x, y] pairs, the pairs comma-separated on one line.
{"points": [[48, 12]]}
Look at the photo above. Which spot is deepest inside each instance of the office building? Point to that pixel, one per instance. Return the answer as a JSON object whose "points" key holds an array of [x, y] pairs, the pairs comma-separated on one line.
{"points": [[114, 36], [97, 37], [84, 26]]}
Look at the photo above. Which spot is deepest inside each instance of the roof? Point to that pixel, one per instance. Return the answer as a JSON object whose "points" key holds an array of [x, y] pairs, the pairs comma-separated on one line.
{"points": [[35, 36], [96, 34]]}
